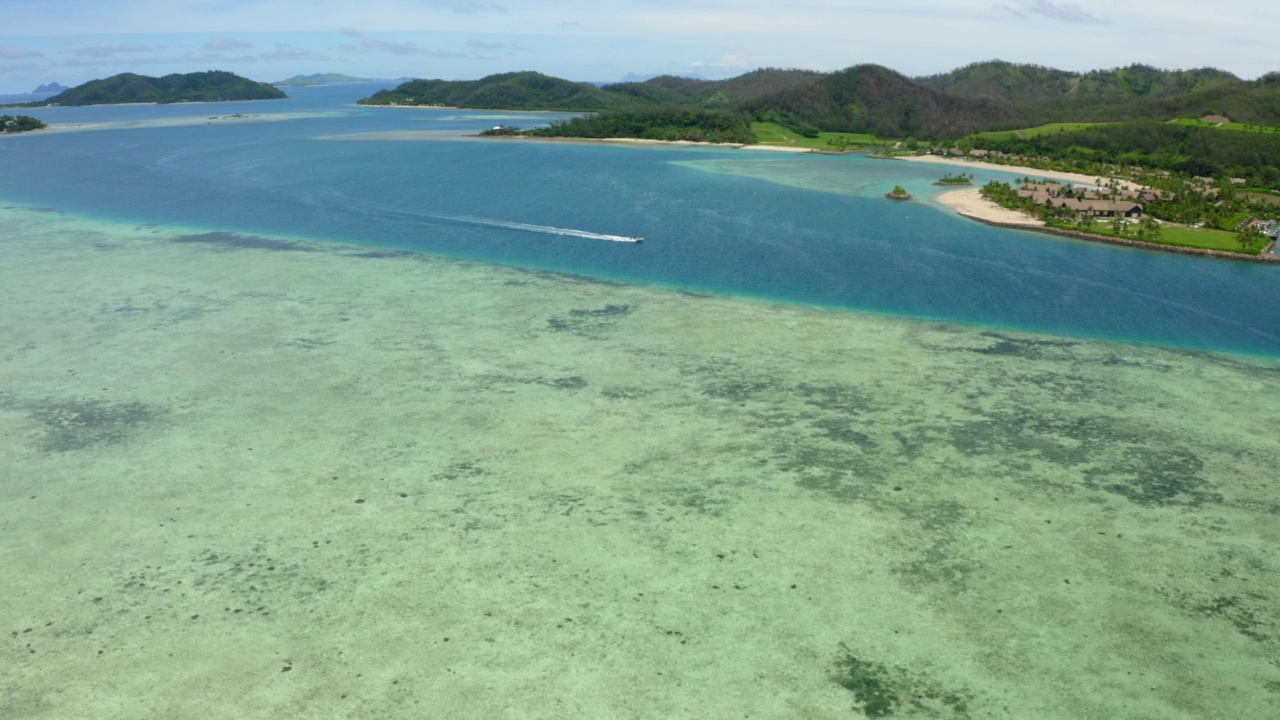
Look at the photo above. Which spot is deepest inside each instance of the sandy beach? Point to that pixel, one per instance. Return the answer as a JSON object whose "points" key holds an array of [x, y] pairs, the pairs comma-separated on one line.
{"points": [[432, 135], [969, 203], [1019, 169]]}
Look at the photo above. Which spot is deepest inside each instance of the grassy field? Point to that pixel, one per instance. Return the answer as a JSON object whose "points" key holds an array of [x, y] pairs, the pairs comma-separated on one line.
{"points": [[1242, 127], [1183, 236], [775, 134], [1035, 131], [1201, 237]]}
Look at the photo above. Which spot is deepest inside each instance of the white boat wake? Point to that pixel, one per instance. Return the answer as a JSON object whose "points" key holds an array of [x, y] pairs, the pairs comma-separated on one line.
{"points": [[543, 229], [484, 222]]}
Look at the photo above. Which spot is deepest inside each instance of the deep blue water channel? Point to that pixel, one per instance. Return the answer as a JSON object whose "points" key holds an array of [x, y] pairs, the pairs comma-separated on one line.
{"points": [[719, 220]]}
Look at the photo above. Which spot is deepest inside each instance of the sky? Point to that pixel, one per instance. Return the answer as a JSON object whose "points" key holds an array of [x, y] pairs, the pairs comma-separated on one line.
{"points": [[74, 41]]}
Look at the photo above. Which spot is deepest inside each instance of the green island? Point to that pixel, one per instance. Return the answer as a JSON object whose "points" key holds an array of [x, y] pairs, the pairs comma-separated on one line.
{"points": [[1204, 143], [898, 193], [19, 123], [210, 86], [319, 79]]}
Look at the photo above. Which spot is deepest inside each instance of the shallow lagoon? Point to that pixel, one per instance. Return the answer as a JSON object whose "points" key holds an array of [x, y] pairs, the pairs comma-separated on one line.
{"points": [[253, 475], [810, 229]]}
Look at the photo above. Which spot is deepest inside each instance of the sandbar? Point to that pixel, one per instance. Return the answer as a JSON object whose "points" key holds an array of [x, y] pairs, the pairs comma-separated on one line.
{"points": [[1019, 169], [421, 135]]}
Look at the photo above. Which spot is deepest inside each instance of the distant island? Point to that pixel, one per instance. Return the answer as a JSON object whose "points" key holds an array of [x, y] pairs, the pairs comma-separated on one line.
{"points": [[1198, 122], [1162, 130], [49, 89], [319, 79], [19, 123], [211, 86]]}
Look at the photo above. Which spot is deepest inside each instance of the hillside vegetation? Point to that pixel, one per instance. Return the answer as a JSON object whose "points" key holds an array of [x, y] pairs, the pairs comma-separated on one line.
{"points": [[19, 123], [662, 123], [211, 86], [984, 101], [1189, 149], [506, 91]]}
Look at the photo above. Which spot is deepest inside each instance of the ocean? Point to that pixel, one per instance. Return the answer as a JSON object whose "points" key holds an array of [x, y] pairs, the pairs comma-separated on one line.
{"points": [[317, 410]]}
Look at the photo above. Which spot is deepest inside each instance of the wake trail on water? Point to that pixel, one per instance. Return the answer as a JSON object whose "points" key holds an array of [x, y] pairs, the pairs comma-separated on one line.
{"points": [[527, 227], [487, 222]]}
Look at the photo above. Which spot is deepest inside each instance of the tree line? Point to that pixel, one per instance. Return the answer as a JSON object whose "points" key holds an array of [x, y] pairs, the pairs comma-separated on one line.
{"points": [[19, 123], [661, 123]]}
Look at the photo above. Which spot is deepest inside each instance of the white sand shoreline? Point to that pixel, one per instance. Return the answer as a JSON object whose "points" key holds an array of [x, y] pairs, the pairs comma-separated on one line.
{"points": [[969, 203], [1017, 169]]}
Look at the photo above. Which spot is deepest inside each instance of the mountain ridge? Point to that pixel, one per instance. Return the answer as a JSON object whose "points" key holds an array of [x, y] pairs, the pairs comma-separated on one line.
{"points": [[208, 86], [993, 95]]}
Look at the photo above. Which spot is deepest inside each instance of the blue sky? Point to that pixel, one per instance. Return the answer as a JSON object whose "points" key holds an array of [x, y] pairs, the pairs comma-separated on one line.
{"points": [[73, 41]]}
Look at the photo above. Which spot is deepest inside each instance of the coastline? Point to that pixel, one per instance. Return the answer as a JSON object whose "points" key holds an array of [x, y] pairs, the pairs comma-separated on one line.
{"points": [[648, 142], [969, 204], [1018, 169]]}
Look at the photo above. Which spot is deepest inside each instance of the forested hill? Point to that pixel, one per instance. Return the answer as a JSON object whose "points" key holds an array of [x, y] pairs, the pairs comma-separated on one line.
{"points": [[211, 86], [716, 94], [535, 91], [507, 91], [1137, 92], [1023, 84], [877, 100]]}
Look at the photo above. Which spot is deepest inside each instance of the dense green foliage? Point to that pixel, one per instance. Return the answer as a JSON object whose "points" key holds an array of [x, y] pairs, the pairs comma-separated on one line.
{"points": [[876, 100], [662, 123], [1191, 214], [771, 133], [211, 86], [508, 91], [19, 123], [980, 98], [535, 91], [1138, 92], [719, 94], [1023, 84], [1190, 149]]}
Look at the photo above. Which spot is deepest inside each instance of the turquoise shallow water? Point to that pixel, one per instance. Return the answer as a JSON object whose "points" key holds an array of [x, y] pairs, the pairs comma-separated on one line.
{"points": [[258, 477], [808, 229], [260, 462]]}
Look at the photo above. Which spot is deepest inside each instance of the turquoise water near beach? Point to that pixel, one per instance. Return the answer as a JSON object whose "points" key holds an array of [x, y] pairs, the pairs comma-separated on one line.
{"points": [[810, 229], [365, 427]]}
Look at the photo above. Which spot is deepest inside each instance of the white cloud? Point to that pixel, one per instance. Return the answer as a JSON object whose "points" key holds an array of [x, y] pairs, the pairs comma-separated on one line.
{"points": [[223, 44], [105, 51], [464, 7], [20, 72], [13, 53], [368, 44], [283, 52], [1067, 12], [728, 61], [395, 48], [485, 45]]}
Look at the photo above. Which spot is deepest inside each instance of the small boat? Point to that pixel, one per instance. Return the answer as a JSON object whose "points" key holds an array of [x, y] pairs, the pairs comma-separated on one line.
{"points": [[636, 238]]}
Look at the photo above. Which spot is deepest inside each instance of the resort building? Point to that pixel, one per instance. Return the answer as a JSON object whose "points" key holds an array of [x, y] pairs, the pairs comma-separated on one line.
{"points": [[1093, 203]]}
